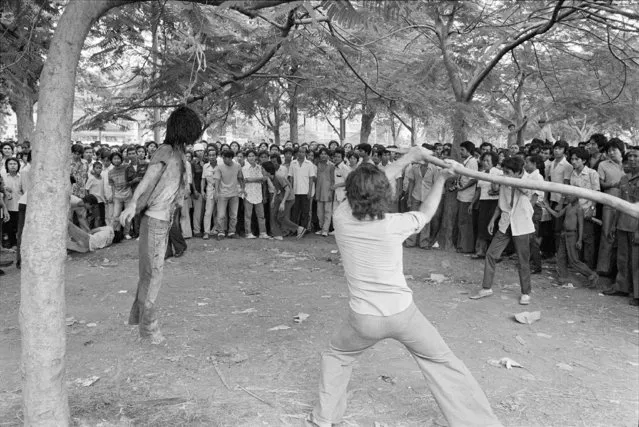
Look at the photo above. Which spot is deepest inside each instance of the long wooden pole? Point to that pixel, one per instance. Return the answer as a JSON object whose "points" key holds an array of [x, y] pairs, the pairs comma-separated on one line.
{"points": [[553, 187]]}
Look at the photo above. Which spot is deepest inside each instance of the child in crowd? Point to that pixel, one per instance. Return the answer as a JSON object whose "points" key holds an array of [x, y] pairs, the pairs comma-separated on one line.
{"points": [[571, 240], [120, 189], [95, 186]]}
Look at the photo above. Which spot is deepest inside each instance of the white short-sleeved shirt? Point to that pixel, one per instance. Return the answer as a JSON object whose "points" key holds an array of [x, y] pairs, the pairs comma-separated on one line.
{"points": [[558, 172], [372, 255], [468, 194], [301, 175]]}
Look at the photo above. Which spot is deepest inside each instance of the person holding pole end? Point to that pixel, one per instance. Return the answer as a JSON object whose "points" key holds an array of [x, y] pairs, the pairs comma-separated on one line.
{"points": [[381, 303]]}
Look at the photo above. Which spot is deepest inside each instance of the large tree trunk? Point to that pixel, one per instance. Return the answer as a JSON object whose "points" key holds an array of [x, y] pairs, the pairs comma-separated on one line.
{"points": [[42, 304], [460, 130], [368, 116], [22, 105]]}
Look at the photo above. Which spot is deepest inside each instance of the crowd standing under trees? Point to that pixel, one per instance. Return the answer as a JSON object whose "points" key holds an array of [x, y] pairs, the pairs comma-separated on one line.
{"points": [[445, 69], [273, 192]]}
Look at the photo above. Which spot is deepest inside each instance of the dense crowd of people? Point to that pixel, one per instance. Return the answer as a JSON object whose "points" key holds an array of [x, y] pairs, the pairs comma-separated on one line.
{"points": [[270, 191]]}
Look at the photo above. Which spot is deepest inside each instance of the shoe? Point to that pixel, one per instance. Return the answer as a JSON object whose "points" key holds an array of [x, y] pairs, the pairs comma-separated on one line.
{"points": [[127, 236], [593, 280], [232, 236], [250, 236], [205, 236], [301, 231], [280, 238], [265, 236], [319, 232], [332, 233], [614, 293], [482, 293], [633, 301], [197, 234], [179, 254], [524, 299], [324, 234], [220, 236], [477, 256]]}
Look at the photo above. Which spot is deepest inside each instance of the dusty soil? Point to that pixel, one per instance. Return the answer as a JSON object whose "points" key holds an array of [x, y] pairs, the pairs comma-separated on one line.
{"points": [[219, 301]]}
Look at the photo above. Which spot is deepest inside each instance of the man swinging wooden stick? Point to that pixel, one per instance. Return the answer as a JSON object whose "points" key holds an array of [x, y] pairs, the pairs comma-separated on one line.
{"points": [[381, 303]]}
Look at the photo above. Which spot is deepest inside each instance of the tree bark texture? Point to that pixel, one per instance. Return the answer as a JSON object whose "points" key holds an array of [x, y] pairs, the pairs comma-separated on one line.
{"points": [[293, 116], [22, 105], [42, 303], [368, 116]]}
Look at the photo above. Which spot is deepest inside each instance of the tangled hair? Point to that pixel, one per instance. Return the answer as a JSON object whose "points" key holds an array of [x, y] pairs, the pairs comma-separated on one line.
{"points": [[183, 127], [599, 139], [368, 192]]}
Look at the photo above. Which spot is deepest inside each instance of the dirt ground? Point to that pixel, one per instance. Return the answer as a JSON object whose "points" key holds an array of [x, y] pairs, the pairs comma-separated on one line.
{"points": [[219, 302]]}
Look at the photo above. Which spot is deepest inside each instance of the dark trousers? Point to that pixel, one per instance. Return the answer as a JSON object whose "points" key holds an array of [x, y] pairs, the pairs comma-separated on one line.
{"points": [[627, 264], [497, 246], [590, 244], [466, 234], [11, 229], [535, 250], [22, 214], [301, 210], [176, 243]]}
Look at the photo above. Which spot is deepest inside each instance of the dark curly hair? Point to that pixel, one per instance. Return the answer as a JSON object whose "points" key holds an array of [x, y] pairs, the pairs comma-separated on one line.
{"points": [[368, 192]]}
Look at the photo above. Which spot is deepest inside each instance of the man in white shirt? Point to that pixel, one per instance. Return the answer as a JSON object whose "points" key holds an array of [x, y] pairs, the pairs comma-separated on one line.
{"points": [[559, 171], [301, 174], [515, 222], [381, 304], [531, 173]]}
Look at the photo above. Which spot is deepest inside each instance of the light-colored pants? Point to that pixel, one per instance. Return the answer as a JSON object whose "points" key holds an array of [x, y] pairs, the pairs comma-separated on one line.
{"points": [[248, 214], [154, 236], [325, 215], [198, 204], [118, 206], [423, 237], [209, 208], [185, 219], [456, 391]]}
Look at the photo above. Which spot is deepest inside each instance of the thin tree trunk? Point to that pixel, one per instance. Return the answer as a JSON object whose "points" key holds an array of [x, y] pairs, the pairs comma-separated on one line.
{"points": [[342, 126], [293, 116], [22, 105], [367, 124], [42, 304], [413, 131], [277, 122]]}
